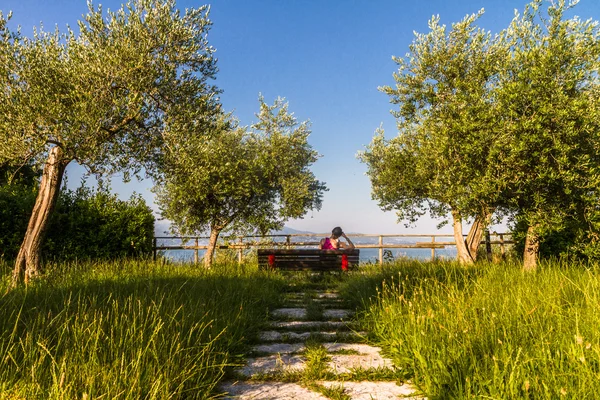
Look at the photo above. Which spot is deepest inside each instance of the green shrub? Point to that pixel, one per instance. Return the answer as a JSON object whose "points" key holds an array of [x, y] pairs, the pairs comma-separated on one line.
{"points": [[97, 224], [16, 203], [86, 223]]}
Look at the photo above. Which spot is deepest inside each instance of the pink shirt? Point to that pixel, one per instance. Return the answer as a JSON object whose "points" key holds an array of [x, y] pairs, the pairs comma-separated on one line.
{"points": [[327, 245]]}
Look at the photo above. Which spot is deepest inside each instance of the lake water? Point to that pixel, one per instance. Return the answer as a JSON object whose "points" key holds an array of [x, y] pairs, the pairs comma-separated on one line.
{"points": [[366, 255]]}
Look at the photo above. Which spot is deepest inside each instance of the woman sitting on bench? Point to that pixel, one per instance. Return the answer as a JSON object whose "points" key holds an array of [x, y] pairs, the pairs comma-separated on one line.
{"points": [[334, 243]]}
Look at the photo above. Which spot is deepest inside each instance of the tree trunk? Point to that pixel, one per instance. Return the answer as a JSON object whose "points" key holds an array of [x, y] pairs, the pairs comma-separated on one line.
{"points": [[28, 263], [462, 253], [532, 248], [212, 243], [476, 233]]}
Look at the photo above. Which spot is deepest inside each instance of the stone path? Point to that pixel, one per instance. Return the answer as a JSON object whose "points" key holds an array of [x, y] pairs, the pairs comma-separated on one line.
{"points": [[309, 351]]}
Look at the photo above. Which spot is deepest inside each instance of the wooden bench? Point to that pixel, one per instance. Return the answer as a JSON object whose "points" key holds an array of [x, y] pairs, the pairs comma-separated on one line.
{"points": [[307, 259]]}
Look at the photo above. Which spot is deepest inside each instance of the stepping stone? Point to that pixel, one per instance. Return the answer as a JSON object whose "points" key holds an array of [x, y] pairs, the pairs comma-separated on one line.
{"points": [[374, 390], [336, 313], [290, 312], [272, 364], [331, 301], [279, 348], [270, 391], [343, 363], [275, 336], [307, 324], [360, 348], [328, 295]]}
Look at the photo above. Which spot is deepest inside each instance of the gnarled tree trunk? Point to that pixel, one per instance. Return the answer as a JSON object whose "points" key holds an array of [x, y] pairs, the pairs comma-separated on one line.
{"points": [[473, 239], [212, 243], [532, 248], [462, 253], [28, 264]]}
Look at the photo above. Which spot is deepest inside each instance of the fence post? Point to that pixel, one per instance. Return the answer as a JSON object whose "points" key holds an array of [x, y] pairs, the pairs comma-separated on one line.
{"points": [[155, 250], [502, 246], [240, 251], [196, 252], [432, 248], [288, 242], [380, 250], [488, 245]]}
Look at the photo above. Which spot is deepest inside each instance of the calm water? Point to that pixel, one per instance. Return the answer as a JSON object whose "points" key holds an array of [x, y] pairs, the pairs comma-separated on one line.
{"points": [[366, 255]]}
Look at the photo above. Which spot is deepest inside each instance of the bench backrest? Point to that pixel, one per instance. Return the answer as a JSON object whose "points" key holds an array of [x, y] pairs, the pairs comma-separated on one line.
{"points": [[307, 259]]}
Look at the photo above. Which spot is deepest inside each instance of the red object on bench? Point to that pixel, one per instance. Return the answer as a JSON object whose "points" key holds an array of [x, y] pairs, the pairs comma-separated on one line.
{"points": [[271, 260], [308, 259]]}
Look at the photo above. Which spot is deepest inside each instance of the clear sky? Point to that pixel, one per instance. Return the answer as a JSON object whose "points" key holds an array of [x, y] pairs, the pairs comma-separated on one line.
{"points": [[327, 58]]}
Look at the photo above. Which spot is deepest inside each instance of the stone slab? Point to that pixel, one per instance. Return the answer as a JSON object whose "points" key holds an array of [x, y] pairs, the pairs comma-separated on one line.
{"points": [[327, 295], [275, 363], [289, 313], [279, 348], [274, 336], [374, 390], [307, 324], [269, 391], [336, 313], [344, 363]]}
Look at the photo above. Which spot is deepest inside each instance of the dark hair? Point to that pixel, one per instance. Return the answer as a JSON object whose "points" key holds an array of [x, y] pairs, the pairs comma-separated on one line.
{"points": [[337, 231]]}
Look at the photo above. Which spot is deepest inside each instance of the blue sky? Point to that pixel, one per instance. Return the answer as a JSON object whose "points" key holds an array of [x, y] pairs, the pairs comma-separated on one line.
{"points": [[327, 58]]}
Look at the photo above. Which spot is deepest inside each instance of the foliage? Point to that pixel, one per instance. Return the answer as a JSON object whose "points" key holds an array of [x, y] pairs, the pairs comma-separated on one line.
{"points": [[457, 332], [129, 330], [98, 225], [104, 95], [16, 203], [445, 125], [86, 224], [506, 124], [548, 96], [242, 179], [24, 175], [112, 97]]}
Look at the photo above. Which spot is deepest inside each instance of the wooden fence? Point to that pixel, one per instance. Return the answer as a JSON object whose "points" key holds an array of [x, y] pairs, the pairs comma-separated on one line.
{"points": [[242, 243]]}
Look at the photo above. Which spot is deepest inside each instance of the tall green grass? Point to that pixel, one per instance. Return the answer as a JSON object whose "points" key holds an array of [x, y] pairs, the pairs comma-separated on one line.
{"points": [[489, 331], [129, 329]]}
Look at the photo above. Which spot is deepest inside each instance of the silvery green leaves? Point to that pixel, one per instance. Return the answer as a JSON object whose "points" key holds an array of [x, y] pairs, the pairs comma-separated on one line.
{"points": [[112, 98], [238, 179], [494, 123]]}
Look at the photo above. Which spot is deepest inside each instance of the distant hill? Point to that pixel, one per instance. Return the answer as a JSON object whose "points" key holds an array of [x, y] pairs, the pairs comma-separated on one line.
{"points": [[161, 228], [288, 231]]}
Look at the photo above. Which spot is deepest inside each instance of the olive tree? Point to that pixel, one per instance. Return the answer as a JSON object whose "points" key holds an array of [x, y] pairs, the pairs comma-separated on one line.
{"points": [[239, 178], [105, 98], [550, 138], [446, 125]]}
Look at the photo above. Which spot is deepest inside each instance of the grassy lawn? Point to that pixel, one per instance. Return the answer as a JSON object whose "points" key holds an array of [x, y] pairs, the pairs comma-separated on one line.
{"points": [[136, 329], [489, 331], [129, 330]]}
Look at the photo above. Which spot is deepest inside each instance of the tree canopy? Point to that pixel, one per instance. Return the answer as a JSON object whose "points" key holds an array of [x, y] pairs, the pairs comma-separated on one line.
{"points": [[242, 179], [488, 124], [111, 98], [445, 126], [547, 96]]}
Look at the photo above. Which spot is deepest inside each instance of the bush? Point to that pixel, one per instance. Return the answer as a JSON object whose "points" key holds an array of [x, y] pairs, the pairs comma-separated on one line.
{"points": [[16, 203], [86, 223]]}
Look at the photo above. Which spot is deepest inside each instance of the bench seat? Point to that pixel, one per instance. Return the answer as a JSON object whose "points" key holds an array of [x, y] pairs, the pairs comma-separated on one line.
{"points": [[307, 259]]}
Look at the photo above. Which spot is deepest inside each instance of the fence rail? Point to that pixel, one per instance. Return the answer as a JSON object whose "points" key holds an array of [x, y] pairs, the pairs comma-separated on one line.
{"points": [[500, 239]]}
